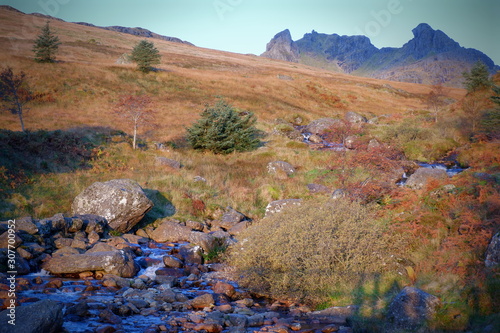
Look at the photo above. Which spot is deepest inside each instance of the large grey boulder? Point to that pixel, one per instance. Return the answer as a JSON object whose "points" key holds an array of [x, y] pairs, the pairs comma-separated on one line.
{"points": [[119, 262], [420, 178], [321, 126], [44, 316], [172, 231], [493, 252], [410, 310], [121, 201]]}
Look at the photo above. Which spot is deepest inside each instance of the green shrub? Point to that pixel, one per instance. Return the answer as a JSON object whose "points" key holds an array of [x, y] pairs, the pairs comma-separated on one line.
{"points": [[222, 129], [145, 54], [307, 252]]}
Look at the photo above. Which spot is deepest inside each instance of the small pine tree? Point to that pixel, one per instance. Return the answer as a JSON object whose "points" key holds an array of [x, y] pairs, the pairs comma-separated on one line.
{"points": [[223, 130], [145, 54], [46, 45], [478, 78]]}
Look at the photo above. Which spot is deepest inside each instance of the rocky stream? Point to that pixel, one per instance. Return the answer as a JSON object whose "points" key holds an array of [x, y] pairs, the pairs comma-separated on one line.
{"points": [[95, 272]]}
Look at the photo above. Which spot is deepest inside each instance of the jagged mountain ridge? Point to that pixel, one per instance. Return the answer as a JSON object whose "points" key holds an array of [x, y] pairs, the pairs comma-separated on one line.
{"points": [[430, 57]]}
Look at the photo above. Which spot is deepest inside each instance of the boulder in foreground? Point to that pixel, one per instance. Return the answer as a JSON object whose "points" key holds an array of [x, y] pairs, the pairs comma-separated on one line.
{"points": [[121, 201], [44, 316]]}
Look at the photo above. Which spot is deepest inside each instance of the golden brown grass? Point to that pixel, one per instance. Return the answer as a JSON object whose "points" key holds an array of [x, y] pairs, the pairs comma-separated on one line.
{"points": [[86, 81]]}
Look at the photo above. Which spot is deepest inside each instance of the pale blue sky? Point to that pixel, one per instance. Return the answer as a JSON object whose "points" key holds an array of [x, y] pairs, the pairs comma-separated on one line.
{"points": [[246, 26]]}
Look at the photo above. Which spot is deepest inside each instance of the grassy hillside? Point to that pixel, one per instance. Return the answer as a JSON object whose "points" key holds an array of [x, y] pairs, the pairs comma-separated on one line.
{"points": [[75, 139], [83, 86]]}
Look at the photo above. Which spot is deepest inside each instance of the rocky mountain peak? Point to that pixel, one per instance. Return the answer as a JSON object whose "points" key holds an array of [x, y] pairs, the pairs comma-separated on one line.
{"points": [[282, 47], [429, 57], [427, 40], [422, 29]]}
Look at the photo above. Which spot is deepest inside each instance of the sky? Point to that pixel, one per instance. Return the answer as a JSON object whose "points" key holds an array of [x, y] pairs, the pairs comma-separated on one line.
{"points": [[246, 26]]}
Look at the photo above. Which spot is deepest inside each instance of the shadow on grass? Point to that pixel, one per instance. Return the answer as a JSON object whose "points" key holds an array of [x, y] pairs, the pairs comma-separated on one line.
{"points": [[25, 155], [162, 208], [44, 151], [372, 295]]}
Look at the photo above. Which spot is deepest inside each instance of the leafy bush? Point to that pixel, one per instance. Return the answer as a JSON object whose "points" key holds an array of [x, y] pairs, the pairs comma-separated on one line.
{"points": [[223, 129], [307, 252]]}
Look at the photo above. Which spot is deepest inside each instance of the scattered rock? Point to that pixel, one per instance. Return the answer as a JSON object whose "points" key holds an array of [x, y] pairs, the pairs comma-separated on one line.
{"points": [[277, 166], [120, 263], [353, 117], [171, 231], [410, 309], [121, 201], [43, 316], [224, 288], [203, 301], [317, 188], [374, 144], [321, 126], [420, 178], [493, 252], [25, 224], [339, 193], [351, 142], [172, 262], [279, 205], [168, 162], [314, 138], [335, 315], [230, 218], [9, 238]]}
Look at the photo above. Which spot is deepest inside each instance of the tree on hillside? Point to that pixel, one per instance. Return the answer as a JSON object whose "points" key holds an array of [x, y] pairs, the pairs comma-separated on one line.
{"points": [[435, 100], [46, 45], [14, 93], [145, 54], [473, 106], [135, 109], [496, 97], [223, 129], [478, 78]]}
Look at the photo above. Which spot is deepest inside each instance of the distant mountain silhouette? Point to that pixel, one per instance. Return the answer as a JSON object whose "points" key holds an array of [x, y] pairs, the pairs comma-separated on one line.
{"points": [[131, 31], [137, 32], [430, 57]]}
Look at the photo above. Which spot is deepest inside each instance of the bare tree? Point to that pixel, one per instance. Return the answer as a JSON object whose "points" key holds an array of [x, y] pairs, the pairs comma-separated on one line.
{"points": [[14, 93], [137, 110], [435, 100]]}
